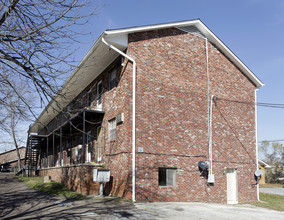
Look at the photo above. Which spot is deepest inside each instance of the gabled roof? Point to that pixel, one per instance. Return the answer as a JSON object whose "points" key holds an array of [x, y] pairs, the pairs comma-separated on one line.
{"points": [[206, 32], [99, 57], [9, 151]]}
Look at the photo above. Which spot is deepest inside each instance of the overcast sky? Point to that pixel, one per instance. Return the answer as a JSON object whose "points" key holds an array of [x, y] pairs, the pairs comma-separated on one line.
{"points": [[252, 29]]}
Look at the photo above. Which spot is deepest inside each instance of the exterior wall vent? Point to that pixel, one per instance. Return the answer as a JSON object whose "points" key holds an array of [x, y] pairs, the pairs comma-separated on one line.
{"points": [[192, 30]]}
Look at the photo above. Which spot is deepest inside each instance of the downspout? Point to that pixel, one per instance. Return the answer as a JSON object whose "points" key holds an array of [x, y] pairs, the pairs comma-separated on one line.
{"points": [[209, 111], [211, 175], [256, 137], [133, 114], [210, 106]]}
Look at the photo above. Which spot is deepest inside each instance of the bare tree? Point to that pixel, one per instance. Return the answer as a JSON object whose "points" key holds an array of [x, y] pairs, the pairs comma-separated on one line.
{"points": [[36, 38], [13, 112], [272, 153]]}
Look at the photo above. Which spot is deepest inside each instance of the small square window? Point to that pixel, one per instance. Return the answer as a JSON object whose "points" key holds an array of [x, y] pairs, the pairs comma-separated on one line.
{"points": [[167, 176], [111, 129]]}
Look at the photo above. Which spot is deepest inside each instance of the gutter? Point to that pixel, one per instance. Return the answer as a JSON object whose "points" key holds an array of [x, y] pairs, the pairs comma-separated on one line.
{"points": [[133, 114]]}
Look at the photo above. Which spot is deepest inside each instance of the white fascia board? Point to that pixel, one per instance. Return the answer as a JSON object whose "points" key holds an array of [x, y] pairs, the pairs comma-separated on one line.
{"points": [[150, 27]]}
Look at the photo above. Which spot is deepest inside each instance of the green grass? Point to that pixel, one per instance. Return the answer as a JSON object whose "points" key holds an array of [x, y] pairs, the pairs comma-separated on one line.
{"points": [[270, 185], [270, 201], [52, 187]]}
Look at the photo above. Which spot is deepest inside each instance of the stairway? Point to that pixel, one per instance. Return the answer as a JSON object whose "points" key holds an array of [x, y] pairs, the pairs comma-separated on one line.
{"points": [[32, 154]]}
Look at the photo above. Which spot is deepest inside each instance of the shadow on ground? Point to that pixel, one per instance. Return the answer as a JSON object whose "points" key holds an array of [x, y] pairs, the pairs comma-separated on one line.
{"points": [[17, 201]]}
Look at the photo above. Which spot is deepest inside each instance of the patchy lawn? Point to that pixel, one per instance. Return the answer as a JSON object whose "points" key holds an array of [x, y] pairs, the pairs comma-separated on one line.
{"points": [[270, 185], [53, 187], [270, 201]]}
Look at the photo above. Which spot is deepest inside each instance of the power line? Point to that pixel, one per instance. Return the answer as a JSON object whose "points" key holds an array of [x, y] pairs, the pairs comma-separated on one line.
{"points": [[262, 104], [271, 141]]}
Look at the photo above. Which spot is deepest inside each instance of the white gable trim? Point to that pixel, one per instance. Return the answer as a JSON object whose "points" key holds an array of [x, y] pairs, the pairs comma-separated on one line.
{"points": [[119, 38], [205, 31]]}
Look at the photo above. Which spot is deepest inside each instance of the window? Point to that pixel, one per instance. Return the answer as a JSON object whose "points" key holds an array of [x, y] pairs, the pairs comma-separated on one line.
{"points": [[78, 153], [112, 78], [99, 95], [111, 129], [89, 99], [99, 144], [167, 176], [89, 146]]}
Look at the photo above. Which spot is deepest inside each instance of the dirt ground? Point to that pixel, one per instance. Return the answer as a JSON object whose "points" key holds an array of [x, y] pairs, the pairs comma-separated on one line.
{"points": [[17, 201]]}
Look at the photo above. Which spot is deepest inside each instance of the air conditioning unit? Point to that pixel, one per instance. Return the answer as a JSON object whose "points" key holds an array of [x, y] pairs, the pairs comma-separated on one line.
{"points": [[119, 118]]}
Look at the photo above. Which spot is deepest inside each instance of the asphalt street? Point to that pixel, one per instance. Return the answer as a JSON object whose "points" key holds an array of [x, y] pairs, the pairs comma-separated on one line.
{"points": [[276, 191]]}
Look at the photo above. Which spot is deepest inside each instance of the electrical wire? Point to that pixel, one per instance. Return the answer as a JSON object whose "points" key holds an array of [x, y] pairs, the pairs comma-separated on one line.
{"points": [[262, 104], [271, 141]]}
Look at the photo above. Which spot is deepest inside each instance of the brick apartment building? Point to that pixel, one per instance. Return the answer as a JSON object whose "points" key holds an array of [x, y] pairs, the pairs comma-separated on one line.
{"points": [[9, 159], [149, 103]]}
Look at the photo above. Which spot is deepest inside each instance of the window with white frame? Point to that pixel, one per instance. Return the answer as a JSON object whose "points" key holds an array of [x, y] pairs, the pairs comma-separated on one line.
{"points": [[111, 129], [167, 176]]}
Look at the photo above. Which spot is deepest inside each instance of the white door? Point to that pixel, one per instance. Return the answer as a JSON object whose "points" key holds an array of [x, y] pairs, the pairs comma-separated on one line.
{"points": [[232, 186]]}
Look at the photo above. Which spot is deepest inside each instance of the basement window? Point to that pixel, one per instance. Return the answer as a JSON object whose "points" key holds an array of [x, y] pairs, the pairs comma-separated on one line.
{"points": [[167, 176]]}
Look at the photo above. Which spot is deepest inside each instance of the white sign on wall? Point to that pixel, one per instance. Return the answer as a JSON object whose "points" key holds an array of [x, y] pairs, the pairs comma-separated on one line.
{"points": [[101, 175]]}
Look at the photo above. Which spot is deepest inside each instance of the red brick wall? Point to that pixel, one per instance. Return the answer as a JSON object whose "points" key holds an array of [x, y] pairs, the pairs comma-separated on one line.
{"points": [[116, 154], [77, 178], [172, 121], [172, 117]]}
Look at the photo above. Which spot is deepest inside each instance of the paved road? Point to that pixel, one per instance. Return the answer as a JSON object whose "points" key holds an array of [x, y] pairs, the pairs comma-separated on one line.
{"points": [[276, 191], [17, 201]]}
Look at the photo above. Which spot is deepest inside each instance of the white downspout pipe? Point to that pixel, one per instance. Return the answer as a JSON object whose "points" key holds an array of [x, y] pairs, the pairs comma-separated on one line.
{"points": [[210, 137], [256, 137], [133, 115], [210, 106]]}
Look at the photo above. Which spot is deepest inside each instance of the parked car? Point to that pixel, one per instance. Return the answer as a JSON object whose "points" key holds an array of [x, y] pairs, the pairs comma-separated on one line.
{"points": [[4, 169]]}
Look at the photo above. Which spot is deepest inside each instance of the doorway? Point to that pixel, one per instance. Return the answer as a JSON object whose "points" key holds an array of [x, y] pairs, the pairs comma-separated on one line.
{"points": [[232, 186]]}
